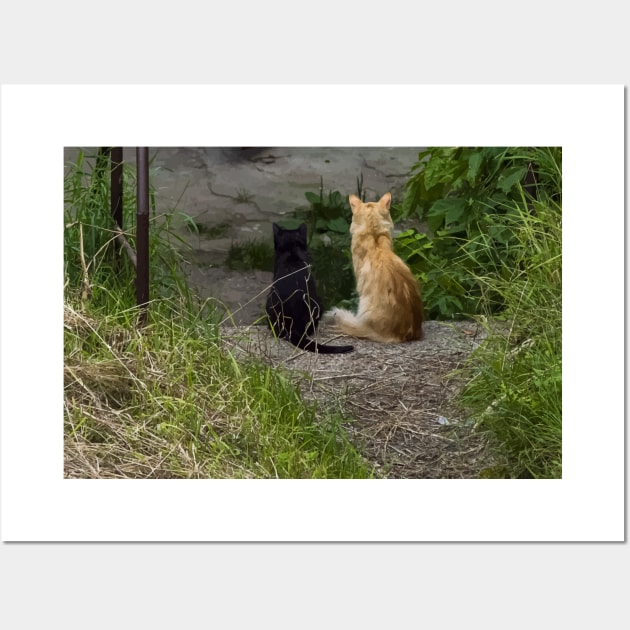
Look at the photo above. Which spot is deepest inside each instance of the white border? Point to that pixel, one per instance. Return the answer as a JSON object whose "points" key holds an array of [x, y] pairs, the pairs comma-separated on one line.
{"points": [[38, 121]]}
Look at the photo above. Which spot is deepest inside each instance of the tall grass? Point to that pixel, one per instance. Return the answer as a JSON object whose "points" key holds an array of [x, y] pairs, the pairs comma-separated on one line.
{"points": [[514, 389], [166, 399], [92, 265]]}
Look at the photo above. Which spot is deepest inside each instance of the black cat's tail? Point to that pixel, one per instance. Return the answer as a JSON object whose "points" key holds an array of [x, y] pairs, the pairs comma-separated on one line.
{"points": [[304, 343]]}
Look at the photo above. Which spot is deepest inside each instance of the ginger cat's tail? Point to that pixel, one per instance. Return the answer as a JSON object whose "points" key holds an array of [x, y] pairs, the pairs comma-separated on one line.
{"points": [[350, 324]]}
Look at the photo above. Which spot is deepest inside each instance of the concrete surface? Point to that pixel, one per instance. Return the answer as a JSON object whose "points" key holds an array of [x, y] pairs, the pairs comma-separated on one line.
{"points": [[235, 194]]}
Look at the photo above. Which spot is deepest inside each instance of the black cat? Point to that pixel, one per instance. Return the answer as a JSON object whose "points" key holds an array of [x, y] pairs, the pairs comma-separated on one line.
{"points": [[293, 307]]}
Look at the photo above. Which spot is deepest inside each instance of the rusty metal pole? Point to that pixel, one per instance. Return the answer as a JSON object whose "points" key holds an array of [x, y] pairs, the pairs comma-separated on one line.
{"points": [[116, 198], [116, 162], [142, 231]]}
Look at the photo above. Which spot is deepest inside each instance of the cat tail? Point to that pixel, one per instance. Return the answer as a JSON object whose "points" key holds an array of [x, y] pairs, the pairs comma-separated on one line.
{"points": [[303, 343], [349, 324]]}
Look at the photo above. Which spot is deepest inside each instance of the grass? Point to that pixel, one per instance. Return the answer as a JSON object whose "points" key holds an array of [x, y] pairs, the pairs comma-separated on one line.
{"points": [[218, 230], [254, 254], [167, 400], [514, 388], [243, 195], [92, 266]]}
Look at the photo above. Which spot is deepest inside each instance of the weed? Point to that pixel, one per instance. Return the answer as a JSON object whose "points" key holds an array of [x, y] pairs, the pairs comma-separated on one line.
{"points": [[215, 231], [243, 195], [254, 254], [168, 401], [328, 221], [493, 252], [470, 198], [218, 230], [94, 266], [514, 385]]}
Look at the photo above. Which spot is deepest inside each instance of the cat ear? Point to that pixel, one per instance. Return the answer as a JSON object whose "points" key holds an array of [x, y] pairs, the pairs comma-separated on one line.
{"points": [[385, 200], [355, 202], [276, 229], [302, 229]]}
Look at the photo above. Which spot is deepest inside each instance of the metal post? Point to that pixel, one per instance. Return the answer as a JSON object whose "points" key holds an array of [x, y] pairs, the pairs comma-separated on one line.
{"points": [[116, 161], [142, 230]]}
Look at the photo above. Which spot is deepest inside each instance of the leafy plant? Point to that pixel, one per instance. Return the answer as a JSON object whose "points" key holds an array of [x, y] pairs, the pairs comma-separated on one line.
{"points": [[332, 269], [328, 219], [514, 379], [470, 199], [328, 213], [243, 195], [253, 254]]}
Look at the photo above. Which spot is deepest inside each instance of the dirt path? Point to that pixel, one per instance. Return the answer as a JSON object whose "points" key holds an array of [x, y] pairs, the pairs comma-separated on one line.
{"points": [[239, 296], [397, 396]]}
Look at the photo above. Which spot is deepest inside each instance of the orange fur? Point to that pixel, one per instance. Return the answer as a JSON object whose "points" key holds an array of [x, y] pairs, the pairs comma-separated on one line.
{"points": [[390, 306]]}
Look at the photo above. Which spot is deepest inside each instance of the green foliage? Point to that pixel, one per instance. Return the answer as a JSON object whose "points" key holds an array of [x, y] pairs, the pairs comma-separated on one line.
{"points": [[210, 231], [327, 213], [332, 269], [328, 220], [494, 250], [253, 254], [514, 388], [167, 399], [94, 266], [471, 199]]}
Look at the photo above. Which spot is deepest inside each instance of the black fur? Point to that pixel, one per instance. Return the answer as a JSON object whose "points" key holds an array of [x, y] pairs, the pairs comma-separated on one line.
{"points": [[293, 307]]}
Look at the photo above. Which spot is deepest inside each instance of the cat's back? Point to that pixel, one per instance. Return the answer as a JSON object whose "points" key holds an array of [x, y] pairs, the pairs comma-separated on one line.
{"points": [[291, 252], [390, 300]]}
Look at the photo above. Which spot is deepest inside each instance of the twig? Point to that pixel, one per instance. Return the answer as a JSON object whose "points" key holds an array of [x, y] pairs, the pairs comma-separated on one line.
{"points": [[345, 376], [86, 277], [125, 244]]}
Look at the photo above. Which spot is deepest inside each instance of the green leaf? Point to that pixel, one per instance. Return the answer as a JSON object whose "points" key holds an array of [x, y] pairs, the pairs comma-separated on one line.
{"points": [[312, 198], [406, 234], [335, 199], [450, 209], [331, 213], [500, 234], [441, 167], [510, 177], [474, 164], [456, 211], [339, 225], [412, 202]]}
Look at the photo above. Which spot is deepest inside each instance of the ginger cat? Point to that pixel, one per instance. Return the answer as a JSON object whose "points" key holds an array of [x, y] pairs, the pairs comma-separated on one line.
{"points": [[390, 306]]}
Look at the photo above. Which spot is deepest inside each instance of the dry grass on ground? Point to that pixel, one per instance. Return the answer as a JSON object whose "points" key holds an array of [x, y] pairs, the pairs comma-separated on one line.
{"points": [[397, 398], [397, 395]]}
